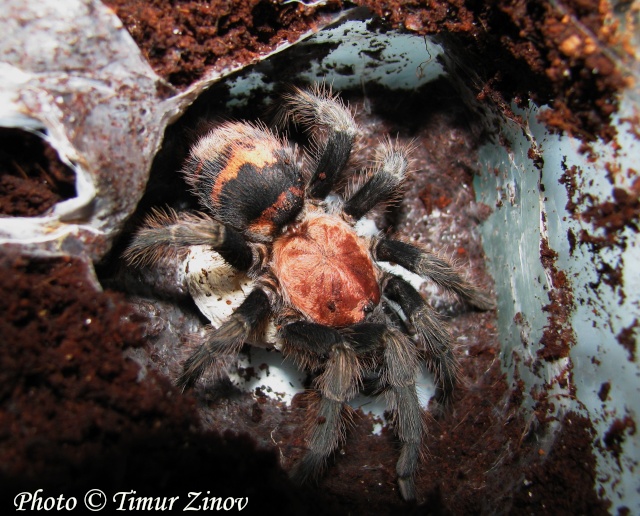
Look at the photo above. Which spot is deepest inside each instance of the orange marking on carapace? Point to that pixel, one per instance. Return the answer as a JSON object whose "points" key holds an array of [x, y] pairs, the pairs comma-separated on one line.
{"points": [[258, 154], [326, 271]]}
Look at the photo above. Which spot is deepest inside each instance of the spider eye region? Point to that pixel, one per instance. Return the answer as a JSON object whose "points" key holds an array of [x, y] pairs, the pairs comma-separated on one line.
{"points": [[326, 272], [247, 178]]}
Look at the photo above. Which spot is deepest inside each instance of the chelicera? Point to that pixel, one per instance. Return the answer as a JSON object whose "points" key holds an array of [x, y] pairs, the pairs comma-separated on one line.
{"points": [[316, 280]]}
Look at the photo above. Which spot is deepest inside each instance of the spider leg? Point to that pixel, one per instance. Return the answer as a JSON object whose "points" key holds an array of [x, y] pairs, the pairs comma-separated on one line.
{"points": [[228, 338], [383, 184], [338, 383], [328, 119], [308, 343], [431, 332], [166, 232], [429, 265], [399, 371]]}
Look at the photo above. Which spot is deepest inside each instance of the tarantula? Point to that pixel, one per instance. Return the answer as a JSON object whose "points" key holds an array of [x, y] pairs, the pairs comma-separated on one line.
{"points": [[335, 311]]}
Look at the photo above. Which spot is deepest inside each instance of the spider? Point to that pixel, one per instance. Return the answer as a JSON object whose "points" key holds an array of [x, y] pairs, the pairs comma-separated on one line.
{"points": [[316, 280]]}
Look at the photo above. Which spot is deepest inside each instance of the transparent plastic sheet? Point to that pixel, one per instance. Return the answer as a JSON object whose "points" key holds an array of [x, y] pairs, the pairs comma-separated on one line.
{"points": [[72, 74], [534, 213]]}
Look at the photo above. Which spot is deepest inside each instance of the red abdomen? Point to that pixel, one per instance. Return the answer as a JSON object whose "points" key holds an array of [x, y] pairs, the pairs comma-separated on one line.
{"points": [[247, 178]]}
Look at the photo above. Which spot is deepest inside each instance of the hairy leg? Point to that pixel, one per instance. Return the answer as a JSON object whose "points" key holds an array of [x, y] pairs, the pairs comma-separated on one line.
{"points": [[432, 333], [333, 131], [383, 183], [338, 382], [431, 266], [399, 371], [168, 232], [220, 343]]}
